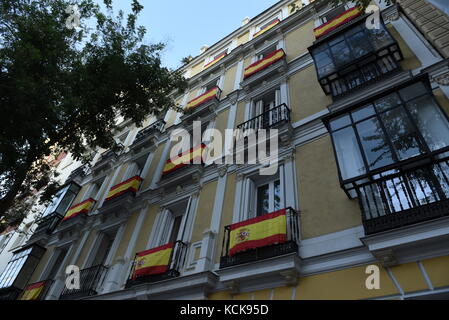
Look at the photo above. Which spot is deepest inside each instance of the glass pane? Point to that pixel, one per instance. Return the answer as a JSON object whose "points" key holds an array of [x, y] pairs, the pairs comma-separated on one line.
{"points": [[340, 122], [413, 91], [277, 195], [324, 63], [348, 153], [263, 200], [402, 134], [359, 44], [65, 203], [374, 143], [341, 53], [379, 37], [388, 102], [363, 113], [432, 124]]}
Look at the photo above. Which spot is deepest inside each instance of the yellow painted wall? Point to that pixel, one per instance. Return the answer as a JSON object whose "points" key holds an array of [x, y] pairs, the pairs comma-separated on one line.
{"points": [[129, 229], [204, 211], [240, 114], [410, 60], [306, 95], [242, 39], [442, 100], [144, 234], [325, 208], [229, 80], [298, 40], [221, 121], [409, 277], [227, 212], [343, 285], [438, 271], [154, 164], [247, 61], [197, 68]]}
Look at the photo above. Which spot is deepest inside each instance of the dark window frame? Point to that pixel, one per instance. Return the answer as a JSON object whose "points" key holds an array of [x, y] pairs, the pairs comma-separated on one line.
{"points": [[350, 185]]}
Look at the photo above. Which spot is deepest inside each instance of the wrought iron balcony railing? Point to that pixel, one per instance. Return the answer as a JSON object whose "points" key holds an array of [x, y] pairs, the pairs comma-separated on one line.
{"points": [[91, 280], [263, 252], [48, 223], [405, 197], [176, 263], [269, 119]]}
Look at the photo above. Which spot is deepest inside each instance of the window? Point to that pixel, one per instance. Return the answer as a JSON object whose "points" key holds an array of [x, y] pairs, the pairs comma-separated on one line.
{"points": [[20, 267], [268, 198], [210, 85], [4, 240], [352, 44], [399, 126], [62, 200], [57, 264], [261, 107], [265, 52], [135, 168], [95, 189], [332, 14], [104, 247]]}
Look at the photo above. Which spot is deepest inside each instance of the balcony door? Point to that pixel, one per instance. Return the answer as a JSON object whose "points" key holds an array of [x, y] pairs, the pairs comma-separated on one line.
{"points": [[268, 198], [262, 116]]}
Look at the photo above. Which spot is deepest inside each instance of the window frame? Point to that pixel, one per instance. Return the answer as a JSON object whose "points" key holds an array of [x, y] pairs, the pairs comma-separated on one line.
{"points": [[350, 184]]}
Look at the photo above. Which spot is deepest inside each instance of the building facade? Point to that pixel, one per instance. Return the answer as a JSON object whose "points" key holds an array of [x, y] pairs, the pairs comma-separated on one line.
{"points": [[360, 102]]}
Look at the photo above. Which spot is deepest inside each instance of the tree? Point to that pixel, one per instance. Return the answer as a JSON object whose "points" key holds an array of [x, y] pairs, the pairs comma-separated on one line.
{"points": [[63, 84], [186, 60]]}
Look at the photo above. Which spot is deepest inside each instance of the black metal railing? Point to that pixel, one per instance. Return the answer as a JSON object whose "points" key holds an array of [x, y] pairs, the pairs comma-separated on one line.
{"points": [[269, 251], [177, 260], [9, 293], [155, 127], [268, 119], [405, 197], [360, 73], [90, 281], [48, 223]]}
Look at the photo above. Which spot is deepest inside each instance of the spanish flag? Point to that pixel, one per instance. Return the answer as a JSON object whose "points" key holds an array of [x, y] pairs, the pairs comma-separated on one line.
{"points": [[221, 56], [33, 291], [264, 63], [209, 95], [271, 25], [191, 156], [132, 184], [258, 232], [153, 261], [79, 208], [346, 16]]}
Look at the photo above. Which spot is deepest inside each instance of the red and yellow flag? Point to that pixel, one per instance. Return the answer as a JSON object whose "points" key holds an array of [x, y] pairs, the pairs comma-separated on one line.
{"points": [[33, 291], [132, 184], [221, 56], [186, 158], [271, 25], [79, 208], [346, 16], [264, 63], [258, 232], [153, 261], [211, 94]]}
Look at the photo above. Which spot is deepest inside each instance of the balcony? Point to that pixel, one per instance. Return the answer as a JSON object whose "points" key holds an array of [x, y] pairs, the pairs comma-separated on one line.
{"points": [[36, 291], [91, 280], [121, 196], [105, 161], [201, 105], [350, 56], [176, 254], [147, 136], [405, 198], [187, 166], [262, 69], [264, 248]]}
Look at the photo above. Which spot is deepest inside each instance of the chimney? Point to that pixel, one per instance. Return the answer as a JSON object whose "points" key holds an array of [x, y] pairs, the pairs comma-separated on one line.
{"points": [[204, 48]]}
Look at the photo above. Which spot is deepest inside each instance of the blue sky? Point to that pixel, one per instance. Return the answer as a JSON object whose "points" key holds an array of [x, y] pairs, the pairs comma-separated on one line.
{"points": [[187, 25]]}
